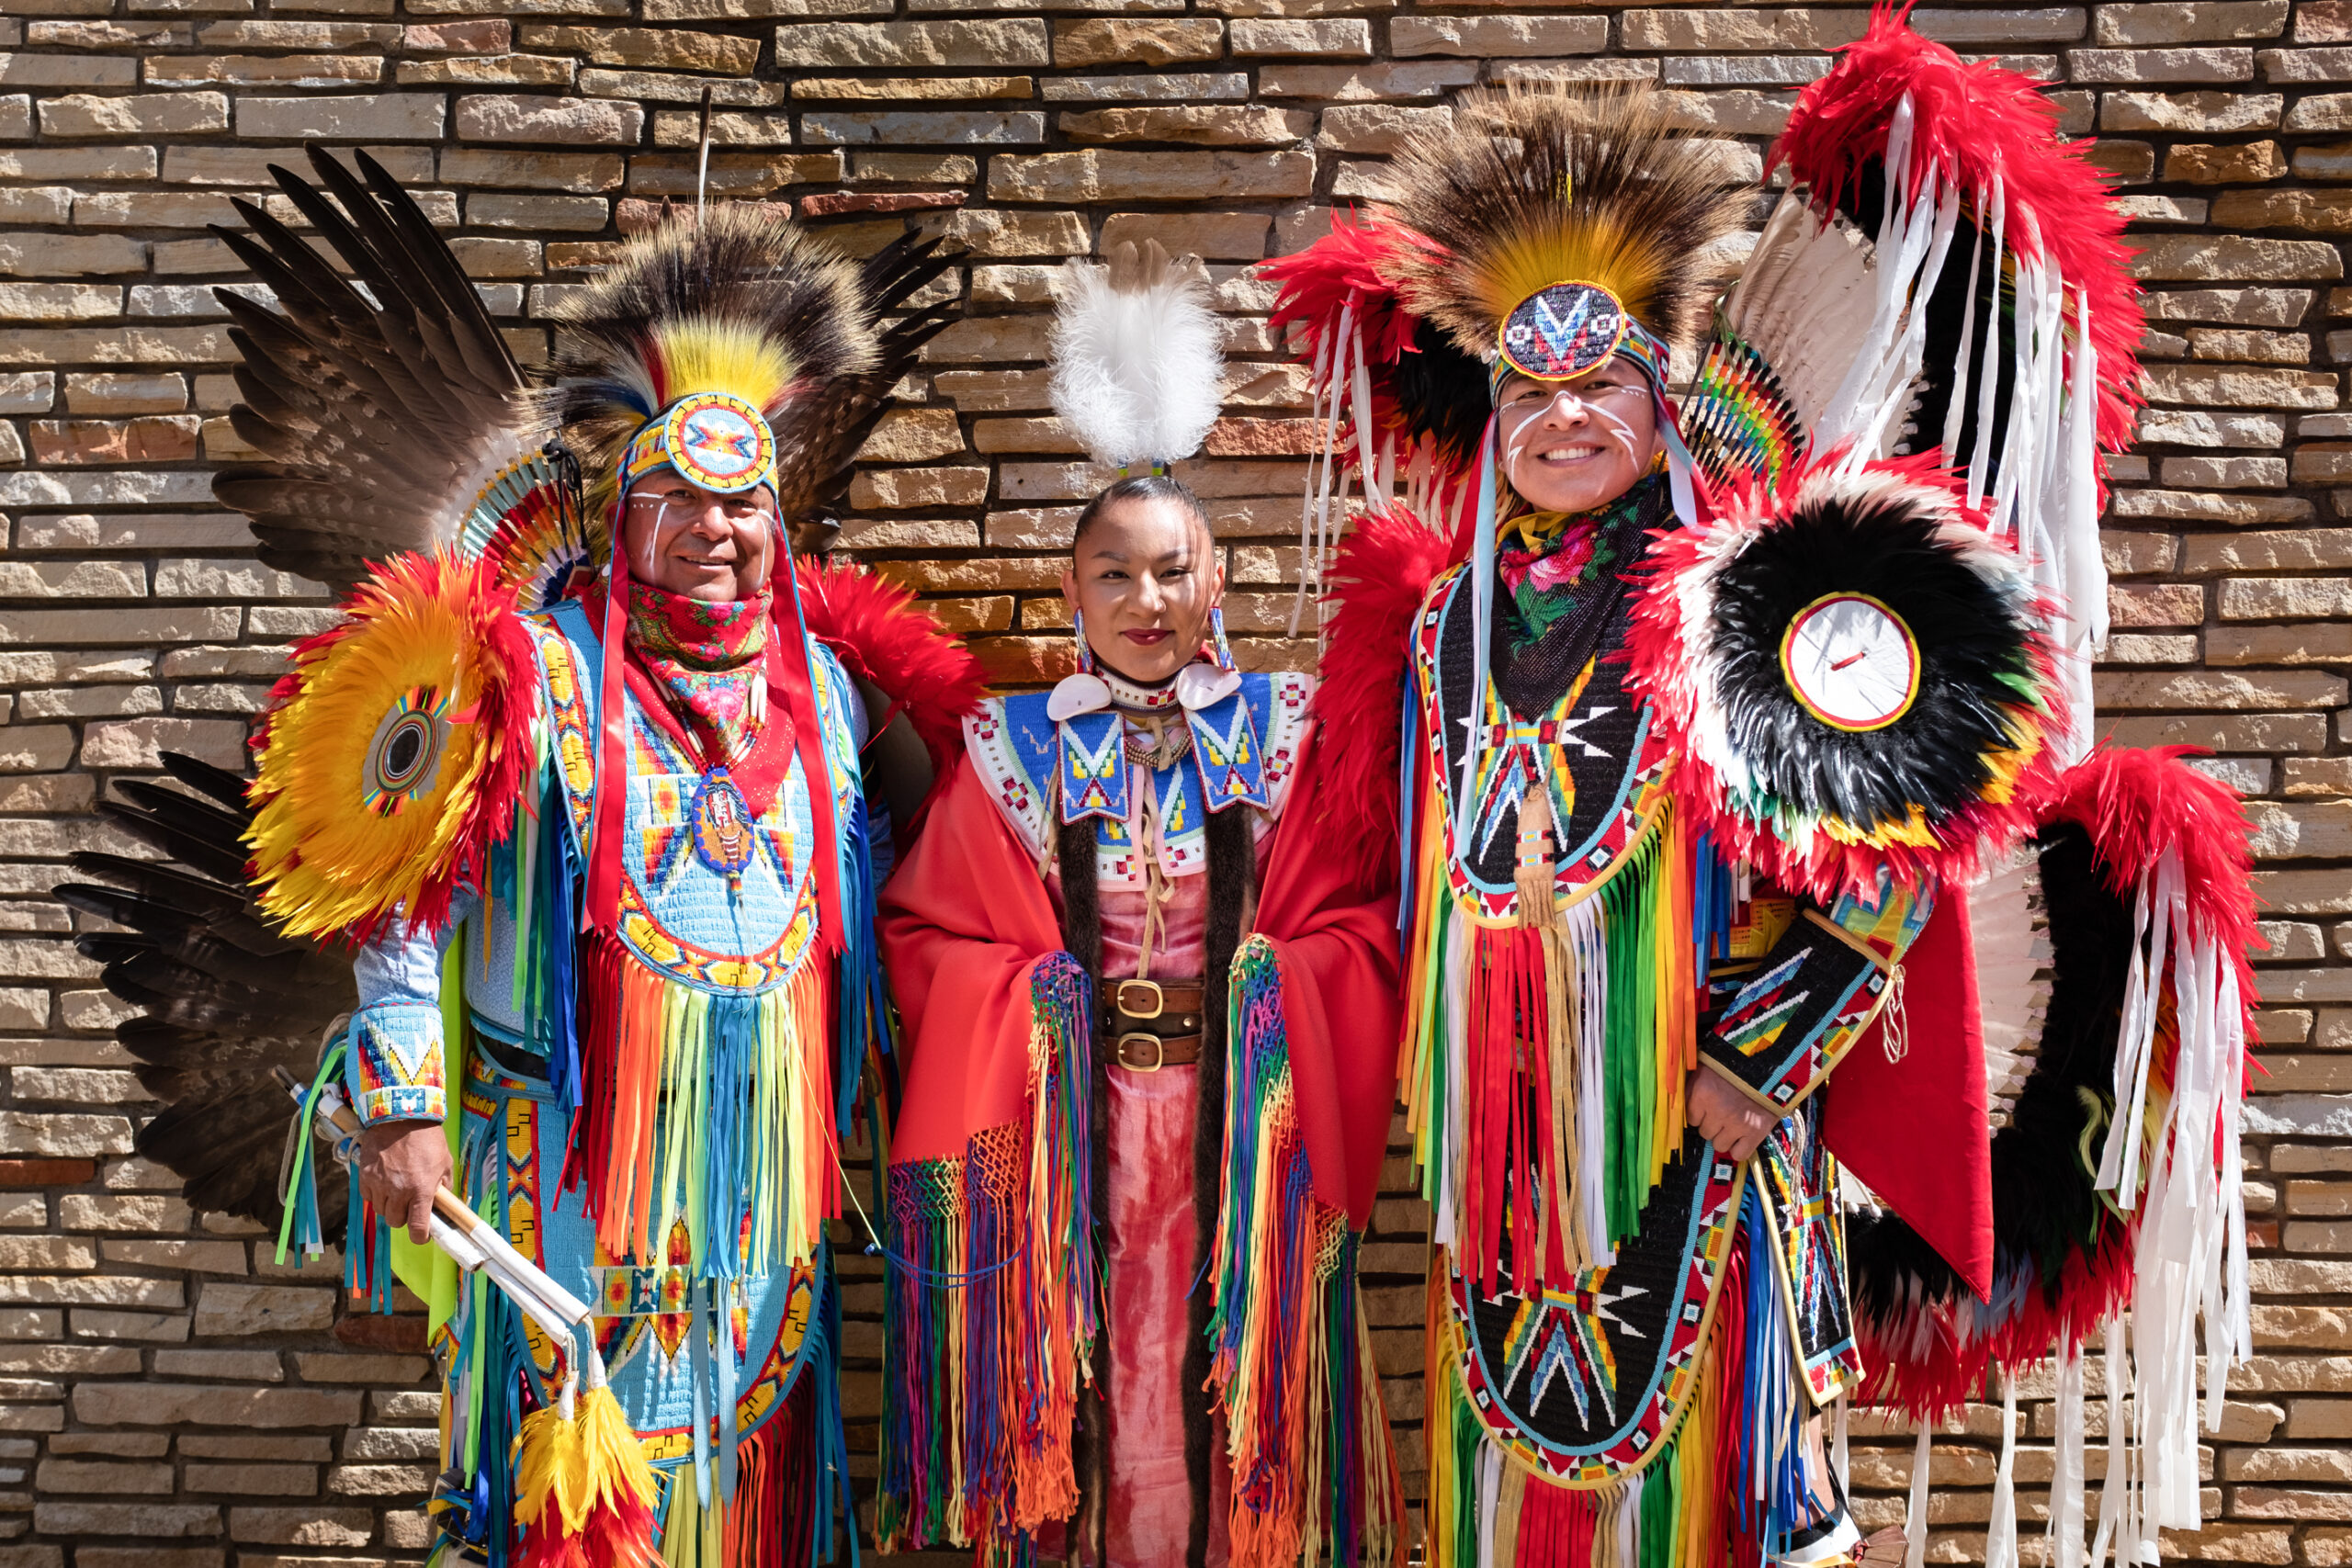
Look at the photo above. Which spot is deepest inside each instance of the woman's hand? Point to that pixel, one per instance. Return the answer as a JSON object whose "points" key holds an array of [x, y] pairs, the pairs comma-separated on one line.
{"points": [[1725, 1117], [401, 1163]]}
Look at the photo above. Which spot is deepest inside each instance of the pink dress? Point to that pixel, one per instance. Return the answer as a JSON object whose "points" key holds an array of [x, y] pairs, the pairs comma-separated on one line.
{"points": [[1150, 1237]]}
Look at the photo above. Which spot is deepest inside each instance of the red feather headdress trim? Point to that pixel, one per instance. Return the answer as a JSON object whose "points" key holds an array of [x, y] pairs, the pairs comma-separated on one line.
{"points": [[882, 634]]}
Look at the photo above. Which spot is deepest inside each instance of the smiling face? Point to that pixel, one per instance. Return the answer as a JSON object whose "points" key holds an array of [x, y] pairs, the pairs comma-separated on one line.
{"points": [[696, 543], [1145, 575], [1573, 446]]}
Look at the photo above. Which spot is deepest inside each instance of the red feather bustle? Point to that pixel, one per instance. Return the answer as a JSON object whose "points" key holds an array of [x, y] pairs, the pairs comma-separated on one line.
{"points": [[2136, 806], [882, 634], [1382, 574], [1353, 333], [1345, 270], [1977, 126]]}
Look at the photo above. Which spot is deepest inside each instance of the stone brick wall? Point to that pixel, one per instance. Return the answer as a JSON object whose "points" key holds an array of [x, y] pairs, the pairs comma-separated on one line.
{"points": [[170, 1399]]}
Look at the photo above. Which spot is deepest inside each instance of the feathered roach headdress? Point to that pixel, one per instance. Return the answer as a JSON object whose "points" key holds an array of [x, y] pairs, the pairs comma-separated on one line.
{"points": [[710, 346], [1545, 230]]}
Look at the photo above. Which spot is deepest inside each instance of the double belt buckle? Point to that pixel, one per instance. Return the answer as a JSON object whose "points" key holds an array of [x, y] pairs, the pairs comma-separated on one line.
{"points": [[1140, 999]]}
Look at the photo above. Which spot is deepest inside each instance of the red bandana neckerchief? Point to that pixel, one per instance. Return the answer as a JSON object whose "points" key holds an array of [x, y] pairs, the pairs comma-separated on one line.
{"points": [[791, 726], [760, 765], [707, 659]]}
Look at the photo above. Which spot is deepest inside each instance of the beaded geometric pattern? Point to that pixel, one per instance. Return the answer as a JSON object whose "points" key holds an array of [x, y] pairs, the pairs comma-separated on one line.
{"points": [[1736, 420]]}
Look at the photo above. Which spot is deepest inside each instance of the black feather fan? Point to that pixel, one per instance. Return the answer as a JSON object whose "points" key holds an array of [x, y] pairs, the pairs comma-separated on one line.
{"points": [[225, 998], [1974, 651]]}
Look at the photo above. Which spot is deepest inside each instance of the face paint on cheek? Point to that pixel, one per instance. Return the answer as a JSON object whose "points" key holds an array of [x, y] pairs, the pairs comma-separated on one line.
{"points": [[763, 551], [653, 541], [1621, 430]]}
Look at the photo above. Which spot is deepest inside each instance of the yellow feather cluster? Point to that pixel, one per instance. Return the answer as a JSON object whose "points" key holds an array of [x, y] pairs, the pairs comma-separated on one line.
{"points": [[1534, 185], [550, 1474], [1554, 247], [430, 634], [706, 353]]}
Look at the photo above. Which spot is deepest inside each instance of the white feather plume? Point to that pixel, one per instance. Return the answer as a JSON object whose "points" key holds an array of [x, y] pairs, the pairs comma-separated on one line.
{"points": [[1138, 363]]}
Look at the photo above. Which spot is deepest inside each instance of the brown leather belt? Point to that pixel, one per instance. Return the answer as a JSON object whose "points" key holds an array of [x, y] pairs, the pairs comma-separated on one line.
{"points": [[1151, 1024]]}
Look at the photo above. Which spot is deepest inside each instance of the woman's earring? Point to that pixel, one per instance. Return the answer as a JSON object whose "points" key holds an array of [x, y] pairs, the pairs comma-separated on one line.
{"points": [[1217, 631], [1085, 653]]}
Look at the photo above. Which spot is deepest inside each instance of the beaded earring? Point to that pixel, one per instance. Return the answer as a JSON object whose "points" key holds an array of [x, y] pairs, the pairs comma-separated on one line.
{"points": [[1085, 652], [1217, 631]]}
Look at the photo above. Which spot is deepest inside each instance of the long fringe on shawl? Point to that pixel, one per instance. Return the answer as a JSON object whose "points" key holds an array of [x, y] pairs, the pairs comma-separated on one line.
{"points": [[1314, 1472], [994, 1300]]}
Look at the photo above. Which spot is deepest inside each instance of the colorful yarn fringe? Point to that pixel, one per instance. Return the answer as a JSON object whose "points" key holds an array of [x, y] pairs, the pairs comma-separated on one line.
{"points": [[716, 1108], [1706, 1500], [1313, 1471], [993, 1299], [1545, 1061]]}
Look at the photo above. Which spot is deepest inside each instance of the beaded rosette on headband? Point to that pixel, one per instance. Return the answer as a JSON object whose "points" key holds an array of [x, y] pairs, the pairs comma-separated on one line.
{"points": [[717, 440]]}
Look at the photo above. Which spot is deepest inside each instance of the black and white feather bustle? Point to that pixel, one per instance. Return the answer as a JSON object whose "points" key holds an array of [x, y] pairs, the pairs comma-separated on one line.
{"points": [[1815, 806]]}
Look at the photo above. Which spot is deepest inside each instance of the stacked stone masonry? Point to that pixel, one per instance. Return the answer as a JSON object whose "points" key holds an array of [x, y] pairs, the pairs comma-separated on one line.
{"points": [[171, 1398]]}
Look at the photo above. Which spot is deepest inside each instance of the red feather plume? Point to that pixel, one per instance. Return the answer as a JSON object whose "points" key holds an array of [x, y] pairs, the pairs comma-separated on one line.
{"points": [[1384, 573], [2136, 803], [1973, 124], [1317, 283], [883, 636]]}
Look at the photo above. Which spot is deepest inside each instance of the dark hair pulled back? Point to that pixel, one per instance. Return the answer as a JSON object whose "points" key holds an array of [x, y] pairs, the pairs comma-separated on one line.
{"points": [[1140, 487]]}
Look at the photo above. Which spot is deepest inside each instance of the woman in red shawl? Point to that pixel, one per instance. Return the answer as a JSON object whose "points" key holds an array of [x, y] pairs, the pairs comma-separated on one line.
{"points": [[1149, 1050]]}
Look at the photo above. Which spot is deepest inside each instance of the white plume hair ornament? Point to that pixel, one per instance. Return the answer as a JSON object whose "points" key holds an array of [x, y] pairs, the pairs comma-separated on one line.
{"points": [[1138, 360]]}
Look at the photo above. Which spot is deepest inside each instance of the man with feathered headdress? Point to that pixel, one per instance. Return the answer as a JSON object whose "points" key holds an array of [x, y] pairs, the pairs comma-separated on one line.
{"points": [[1722, 725], [582, 779]]}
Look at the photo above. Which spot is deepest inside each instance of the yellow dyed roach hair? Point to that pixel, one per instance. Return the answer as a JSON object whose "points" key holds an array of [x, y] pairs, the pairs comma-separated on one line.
{"points": [[743, 301], [1534, 185]]}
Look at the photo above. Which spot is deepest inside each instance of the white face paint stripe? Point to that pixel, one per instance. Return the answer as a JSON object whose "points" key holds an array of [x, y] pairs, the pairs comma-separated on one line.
{"points": [[1565, 402], [671, 518]]}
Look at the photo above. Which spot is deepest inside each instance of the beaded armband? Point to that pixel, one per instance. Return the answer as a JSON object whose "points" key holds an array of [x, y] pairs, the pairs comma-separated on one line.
{"points": [[394, 1062]]}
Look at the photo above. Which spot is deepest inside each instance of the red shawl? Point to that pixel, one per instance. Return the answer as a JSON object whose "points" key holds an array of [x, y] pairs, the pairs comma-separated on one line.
{"points": [[965, 919]]}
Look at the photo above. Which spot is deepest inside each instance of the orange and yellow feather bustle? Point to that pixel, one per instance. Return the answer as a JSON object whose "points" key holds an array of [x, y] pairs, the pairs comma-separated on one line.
{"points": [[392, 757]]}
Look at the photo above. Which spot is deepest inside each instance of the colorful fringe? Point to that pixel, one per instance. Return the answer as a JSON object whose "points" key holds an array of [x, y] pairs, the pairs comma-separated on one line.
{"points": [[1728, 1478], [1545, 1062], [1313, 1469], [994, 1300], [716, 1108]]}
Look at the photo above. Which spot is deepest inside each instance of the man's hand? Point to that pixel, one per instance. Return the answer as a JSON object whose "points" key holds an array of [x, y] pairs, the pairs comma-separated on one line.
{"points": [[1725, 1117], [400, 1165]]}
